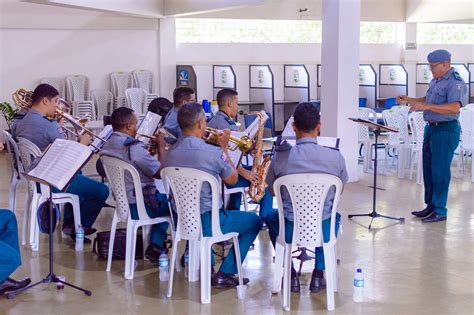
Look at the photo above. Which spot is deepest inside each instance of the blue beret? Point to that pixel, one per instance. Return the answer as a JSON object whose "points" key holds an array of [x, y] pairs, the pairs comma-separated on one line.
{"points": [[439, 55]]}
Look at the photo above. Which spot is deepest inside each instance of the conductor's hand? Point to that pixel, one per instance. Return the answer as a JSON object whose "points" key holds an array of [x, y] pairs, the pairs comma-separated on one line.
{"points": [[85, 139], [402, 99], [223, 138], [417, 106]]}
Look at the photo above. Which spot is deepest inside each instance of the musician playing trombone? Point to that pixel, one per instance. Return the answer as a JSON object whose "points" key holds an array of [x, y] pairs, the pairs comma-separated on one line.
{"points": [[227, 99], [192, 151], [123, 145], [39, 126]]}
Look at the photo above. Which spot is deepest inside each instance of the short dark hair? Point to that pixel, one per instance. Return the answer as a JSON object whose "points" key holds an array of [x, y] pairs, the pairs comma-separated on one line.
{"points": [[121, 117], [182, 94], [306, 117], [43, 90], [160, 106], [189, 114], [224, 95]]}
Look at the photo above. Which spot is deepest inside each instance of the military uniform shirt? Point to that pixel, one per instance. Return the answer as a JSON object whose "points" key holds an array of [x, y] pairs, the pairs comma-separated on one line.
{"points": [[306, 157], [38, 129], [222, 121], [447, 89], [171, 124], [133, 151], [194, 152]]}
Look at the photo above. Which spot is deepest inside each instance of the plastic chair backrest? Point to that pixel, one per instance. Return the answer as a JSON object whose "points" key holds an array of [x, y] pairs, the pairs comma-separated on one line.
{"points": [[390, 102], [116, 170], [77, 88], [28, 152], [83, 109], [368, 114], [120, 82], [103, 102], [12, 148], [417, 126], [185, 185], [308, 192], [136, 100], [143, 79], [466, 119], [362, 101], [58, 83], [395, 119]]}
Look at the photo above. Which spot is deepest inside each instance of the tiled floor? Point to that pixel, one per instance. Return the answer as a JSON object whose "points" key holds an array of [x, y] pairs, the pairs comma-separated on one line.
{"points": [[409, 268]]}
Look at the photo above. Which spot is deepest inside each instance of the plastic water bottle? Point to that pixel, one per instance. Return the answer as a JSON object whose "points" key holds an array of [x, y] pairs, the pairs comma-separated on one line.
{"points": [[186, 263], [79, 239], [163, 266], [358, 296]]}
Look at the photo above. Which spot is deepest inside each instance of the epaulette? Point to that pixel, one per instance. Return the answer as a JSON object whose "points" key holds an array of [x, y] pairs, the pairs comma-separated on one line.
{"points": [[130, 141], [332, 148], [19, 116], [457, 76], [284, 146]]}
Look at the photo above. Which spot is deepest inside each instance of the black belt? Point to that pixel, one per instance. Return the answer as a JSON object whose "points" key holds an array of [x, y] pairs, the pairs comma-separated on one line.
{"points": [[439, 123]]}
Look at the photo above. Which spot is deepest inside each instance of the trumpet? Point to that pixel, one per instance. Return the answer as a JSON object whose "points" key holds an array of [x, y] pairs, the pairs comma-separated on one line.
{"points": [[24, 99], [244, 143]]}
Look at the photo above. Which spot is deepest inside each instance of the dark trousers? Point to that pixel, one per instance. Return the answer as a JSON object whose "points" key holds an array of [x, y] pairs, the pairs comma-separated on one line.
{"points": [[439, 145], [10, 258]]}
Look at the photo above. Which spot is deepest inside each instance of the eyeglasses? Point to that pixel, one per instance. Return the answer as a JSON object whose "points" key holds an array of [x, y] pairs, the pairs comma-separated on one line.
{"points": [[434, 65]]}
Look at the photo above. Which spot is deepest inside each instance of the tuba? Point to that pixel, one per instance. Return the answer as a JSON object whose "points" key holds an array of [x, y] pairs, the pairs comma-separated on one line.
{"points": [[260, 163]]}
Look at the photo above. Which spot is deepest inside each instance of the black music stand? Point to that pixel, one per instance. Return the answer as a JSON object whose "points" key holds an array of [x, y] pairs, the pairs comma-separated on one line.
{"points": [[377, 131]]}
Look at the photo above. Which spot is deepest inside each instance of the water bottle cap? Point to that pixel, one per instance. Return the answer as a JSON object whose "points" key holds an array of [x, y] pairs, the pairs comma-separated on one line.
{"points": [[359, 269], [163, 251]]}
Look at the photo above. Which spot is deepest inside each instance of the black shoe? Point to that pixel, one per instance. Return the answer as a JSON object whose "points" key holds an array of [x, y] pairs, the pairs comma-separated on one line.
{"points": [[295, 281], [73, 237], [69, 229], [317, 281], [223, 281], [423, 213], [434, 217], [153, 252], [12, 285]]}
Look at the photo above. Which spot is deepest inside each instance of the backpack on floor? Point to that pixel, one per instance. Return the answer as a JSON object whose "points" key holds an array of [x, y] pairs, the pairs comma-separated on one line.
{"points": [[101, 244]]}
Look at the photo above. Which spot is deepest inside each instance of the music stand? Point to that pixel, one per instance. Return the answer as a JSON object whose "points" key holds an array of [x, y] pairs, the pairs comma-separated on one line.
{"points": [[377, 131]]}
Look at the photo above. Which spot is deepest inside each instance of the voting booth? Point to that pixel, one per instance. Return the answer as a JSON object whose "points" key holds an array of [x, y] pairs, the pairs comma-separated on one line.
{"points": [[393, 81], [186, 76], [296, 90], [223, 76], [368, 84], [261, 94], [470, 67]]}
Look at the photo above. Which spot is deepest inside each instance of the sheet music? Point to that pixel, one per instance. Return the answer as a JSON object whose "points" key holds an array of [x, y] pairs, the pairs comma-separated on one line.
{"points": [[288, 131], [148, 126], [235, 155], [252, 130], [60, 162], [104, 134]]}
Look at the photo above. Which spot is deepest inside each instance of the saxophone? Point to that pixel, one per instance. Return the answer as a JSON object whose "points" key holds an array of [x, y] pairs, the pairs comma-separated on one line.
{"points": [[260, 163]]}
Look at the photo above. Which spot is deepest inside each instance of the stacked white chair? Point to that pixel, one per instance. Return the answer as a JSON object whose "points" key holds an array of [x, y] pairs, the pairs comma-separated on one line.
{"points": [[417, 126], [116, 171], [150, 97], [364, 135], [185, 184], [103, 101], [136, 100], [466, 147], [77, 88], [396, 140], [58, 83], [143, 79], [84, 109], [120, 81], [29, 151], [308, 193]]}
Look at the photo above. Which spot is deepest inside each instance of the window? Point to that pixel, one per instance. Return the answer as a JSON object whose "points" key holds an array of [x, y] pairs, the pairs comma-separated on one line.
{"points": [[189, 30], [441, 33]]}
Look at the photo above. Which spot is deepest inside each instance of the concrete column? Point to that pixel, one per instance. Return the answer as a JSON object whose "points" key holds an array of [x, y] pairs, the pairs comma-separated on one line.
{"points": [[167, 58], [410, 56], [339, 76]]}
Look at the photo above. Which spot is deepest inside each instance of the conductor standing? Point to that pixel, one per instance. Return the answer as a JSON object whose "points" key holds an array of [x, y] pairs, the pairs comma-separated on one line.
{"points": [[440, 108]]}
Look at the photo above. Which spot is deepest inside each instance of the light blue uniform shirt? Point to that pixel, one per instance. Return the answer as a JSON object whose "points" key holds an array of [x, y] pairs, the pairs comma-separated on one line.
{"points": [[134, 152], [38, 129], [171, 124], [222, 121], [306, 157], [449, 88], [194, 152]]}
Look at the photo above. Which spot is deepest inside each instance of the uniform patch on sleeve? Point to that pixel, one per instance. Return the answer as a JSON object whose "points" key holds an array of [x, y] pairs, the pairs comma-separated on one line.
{"points": [[223, 157], [459, 86]]}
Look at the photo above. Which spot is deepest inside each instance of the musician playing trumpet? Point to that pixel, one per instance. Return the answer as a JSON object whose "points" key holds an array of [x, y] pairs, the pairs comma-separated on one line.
{"points": [[227, 99], [38, 127]]}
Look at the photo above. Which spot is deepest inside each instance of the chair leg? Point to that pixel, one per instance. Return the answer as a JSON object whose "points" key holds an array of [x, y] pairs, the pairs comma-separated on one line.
{"points": [[76, 211], [146, 230], [419, 167], [334, 261], [34, 228], [194, 253], [286, 278], [113, 229], [240, 287], [174, 253], [205, 254], [173, 238], [130, 251], [328, 261], [12, 194], [26, 217], [278, 270], [246, 204]]}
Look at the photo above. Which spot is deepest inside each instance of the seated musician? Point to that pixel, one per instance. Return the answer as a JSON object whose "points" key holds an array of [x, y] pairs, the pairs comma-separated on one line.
{"points": [[181, 95], [227, 99], [123, 145], [305, 157], [192, 151], [39, 128], [10, 258]]}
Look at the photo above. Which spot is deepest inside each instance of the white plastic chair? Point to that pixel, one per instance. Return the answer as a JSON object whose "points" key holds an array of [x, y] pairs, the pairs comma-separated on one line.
{"points": [[28, 151], [150, 97], [77, 88], [466, 146], [417, 126], [364, 135], [136, 100], [103, 101], [396, 140], [16, 178], [242, 190], [115, 169], [308, 193], [143, 79], [469, 106], [185, 185], [84, 109], [58, 83], [120, 81]]}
